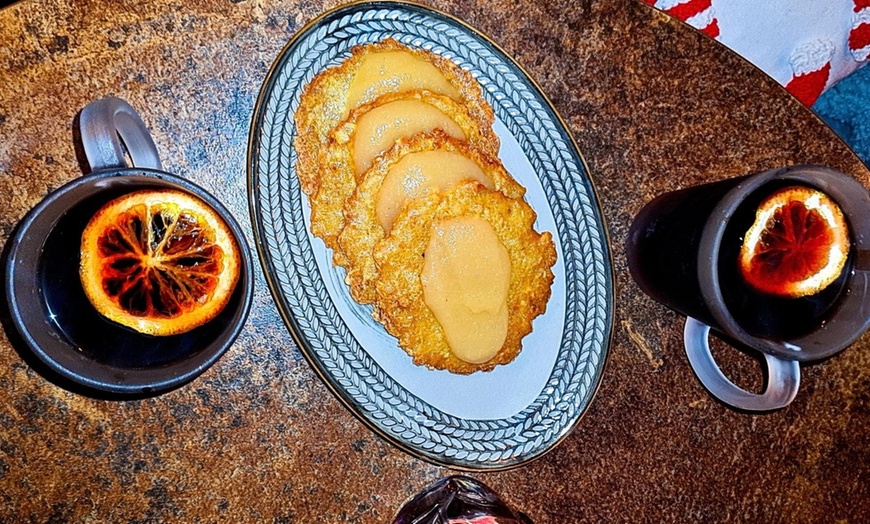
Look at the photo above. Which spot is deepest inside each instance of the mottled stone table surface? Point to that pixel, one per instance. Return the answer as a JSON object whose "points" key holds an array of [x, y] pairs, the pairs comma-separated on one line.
{"points": [[652, 104]]}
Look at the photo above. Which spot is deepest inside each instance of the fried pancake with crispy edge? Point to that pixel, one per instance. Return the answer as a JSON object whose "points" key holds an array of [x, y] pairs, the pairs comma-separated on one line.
{"points": [[323, 103], [400, 304], [338, 179], [362, 231]]}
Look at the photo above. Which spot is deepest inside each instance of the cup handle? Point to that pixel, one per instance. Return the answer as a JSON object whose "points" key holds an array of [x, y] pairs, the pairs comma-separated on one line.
{"points": [[783, 375], [102, 122]]}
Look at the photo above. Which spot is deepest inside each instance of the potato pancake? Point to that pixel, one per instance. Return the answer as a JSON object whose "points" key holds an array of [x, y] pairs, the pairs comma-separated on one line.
{"points": [[413, 168], [371, 71], [371, 129], [401, 304]]}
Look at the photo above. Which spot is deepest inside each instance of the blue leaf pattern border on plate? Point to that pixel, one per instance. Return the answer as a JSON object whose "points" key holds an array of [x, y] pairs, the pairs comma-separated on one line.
{"points": [[299, 290]]}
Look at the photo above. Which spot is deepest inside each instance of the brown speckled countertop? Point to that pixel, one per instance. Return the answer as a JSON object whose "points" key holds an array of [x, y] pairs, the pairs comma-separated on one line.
{"points": [[653, 106]]}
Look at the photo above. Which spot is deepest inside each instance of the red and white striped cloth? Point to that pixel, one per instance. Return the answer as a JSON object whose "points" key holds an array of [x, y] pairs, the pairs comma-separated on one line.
{"points": [[805, 45], [859, 36]]}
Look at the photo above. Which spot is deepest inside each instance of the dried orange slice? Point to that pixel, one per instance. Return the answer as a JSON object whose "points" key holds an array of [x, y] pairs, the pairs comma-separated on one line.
{"points": [[797, 245], [158, 261]]}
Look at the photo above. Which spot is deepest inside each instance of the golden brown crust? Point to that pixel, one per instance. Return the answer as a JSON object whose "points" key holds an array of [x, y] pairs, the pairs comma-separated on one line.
{"points": [[323, 104], [337, 178], [400, 304], [362, 231]]}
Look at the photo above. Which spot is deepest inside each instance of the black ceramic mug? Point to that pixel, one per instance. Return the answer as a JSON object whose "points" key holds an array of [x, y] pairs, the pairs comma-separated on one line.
{"points": [[46, 302], [682, 251]]}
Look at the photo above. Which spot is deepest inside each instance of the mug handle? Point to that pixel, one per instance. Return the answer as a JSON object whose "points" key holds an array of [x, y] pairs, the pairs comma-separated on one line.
{"points": [[783, 375], [102, 122]]}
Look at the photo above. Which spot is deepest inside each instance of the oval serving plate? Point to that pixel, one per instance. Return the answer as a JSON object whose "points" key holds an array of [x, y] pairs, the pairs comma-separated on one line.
{"points": [[483, 421]]}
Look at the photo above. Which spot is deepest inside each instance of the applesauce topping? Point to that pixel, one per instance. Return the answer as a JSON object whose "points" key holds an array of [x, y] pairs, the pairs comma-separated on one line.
{"points": [[394, 71], [379, 128], [419, 174], [466, 277]]}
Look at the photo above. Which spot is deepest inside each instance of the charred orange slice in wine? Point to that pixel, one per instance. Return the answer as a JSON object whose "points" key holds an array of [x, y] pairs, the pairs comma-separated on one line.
{"points": [[158, 261], [797, 245]]}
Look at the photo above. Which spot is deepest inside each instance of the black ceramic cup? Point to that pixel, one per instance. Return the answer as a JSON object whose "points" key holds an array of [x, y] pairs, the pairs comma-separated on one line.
{"points": [[682, 252], [47, 304]]}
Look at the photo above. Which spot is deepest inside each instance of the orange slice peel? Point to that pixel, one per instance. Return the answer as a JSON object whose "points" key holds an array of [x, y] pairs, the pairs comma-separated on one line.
{"points": [[161, 262], [798, 244]]}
